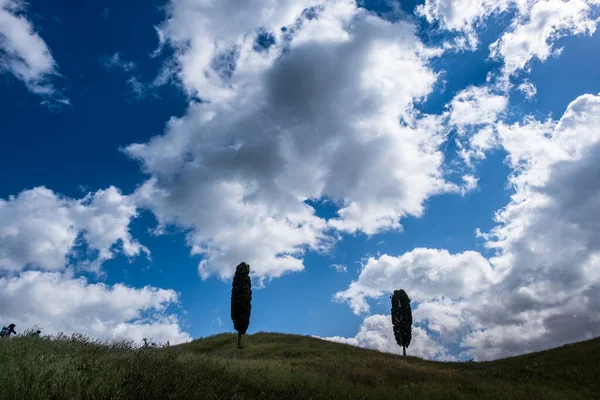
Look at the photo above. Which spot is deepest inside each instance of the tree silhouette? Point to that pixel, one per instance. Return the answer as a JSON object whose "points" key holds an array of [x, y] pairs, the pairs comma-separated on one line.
{"points": [[241, 299], [402, 319]]}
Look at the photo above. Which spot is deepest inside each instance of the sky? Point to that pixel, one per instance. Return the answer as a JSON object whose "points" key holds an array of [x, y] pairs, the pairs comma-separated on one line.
{"points": [[344, 149]]}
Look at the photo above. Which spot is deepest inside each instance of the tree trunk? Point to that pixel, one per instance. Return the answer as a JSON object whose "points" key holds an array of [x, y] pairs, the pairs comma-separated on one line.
{"points": [[239, 340], [404, 351]]}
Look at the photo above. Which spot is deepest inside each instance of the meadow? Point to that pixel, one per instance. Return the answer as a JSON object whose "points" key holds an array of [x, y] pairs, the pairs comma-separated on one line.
{"points": [[280, 366]]}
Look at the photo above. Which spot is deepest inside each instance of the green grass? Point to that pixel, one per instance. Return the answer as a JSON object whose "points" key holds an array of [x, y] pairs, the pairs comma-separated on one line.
{"points": [[277, 366]]}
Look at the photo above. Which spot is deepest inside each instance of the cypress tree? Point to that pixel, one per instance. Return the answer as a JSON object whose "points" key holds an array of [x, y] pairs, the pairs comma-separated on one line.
{"points": [[241, 298], [402, 319]]}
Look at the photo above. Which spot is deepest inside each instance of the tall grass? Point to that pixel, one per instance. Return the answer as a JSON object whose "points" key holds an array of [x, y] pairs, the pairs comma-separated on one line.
{"points": [[276, 366]]}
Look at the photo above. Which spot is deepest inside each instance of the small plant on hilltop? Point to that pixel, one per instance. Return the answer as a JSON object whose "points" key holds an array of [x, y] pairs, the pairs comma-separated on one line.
{"points": [[402, 319], [241, 299], [152, 345]]}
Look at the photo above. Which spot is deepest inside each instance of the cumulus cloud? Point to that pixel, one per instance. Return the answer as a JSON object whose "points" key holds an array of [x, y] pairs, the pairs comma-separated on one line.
{"points": [[427, 272], [376, 333], [546, 239], [537, 27], [23, 52], [42, 229], [284, 121], [57, 303], [540, 289], [57, 236]]}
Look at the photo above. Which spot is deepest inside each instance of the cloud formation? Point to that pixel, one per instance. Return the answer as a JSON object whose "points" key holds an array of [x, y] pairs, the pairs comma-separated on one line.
{"points": [[528, 89], [57, 303], [116, 61], [537, 27], [473, 113], [461, 16], [428, 272], [339, 267], [136, 88], [42, 229], [46, 238], [476, 106], [376, 333], [284, 120], [23, 53], [540, 288], [296, 102]]}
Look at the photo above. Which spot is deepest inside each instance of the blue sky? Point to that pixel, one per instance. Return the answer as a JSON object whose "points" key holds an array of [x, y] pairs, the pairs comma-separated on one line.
{"points": [[416, 145]]}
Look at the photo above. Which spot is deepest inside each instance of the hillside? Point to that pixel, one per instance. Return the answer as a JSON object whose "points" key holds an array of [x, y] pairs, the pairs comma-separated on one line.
{"points": [[278, 366]]}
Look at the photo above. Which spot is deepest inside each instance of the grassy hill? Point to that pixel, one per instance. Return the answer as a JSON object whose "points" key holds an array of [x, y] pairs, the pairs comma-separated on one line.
{"points": [[277, 366]]}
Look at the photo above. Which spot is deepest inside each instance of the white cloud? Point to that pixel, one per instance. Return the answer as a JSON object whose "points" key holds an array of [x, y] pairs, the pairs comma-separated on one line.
{"points": [[470, 184], [473, 112], [424, 273], [461, 16], [446, 317], [40, 228], [23, 52], [339, 267], [117, 62], [534, 147], [540, 289], [476, 106], [201, 31], [537, 27], [528, 89], [478, 144], [291, 123], [58, 304], [546, 237], [376, 333]]}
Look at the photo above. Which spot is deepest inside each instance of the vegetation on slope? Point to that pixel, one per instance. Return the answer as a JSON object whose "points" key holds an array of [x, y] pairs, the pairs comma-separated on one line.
{"points": [[277, 366]]}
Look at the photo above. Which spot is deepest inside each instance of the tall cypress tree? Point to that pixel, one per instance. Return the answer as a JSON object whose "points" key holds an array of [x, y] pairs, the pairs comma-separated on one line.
{"points": [[402, 319], [241, 299]]}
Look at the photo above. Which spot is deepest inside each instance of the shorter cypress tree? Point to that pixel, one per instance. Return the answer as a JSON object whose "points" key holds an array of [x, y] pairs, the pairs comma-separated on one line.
{"points": [[241, 300]]}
